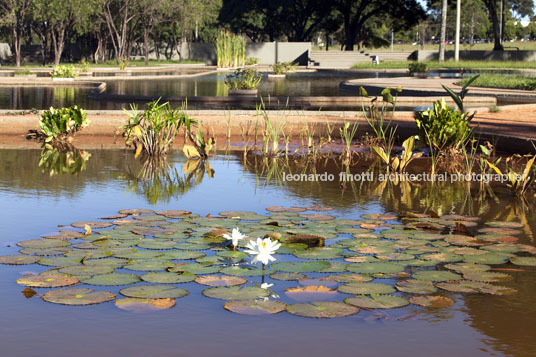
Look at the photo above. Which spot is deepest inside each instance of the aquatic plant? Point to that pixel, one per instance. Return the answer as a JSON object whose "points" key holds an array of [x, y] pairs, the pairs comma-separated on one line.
{"points": [[64, 71], [154, 129], [251, 61], [84, 65], [518, 182], [283, 67], [347, 136], [417, 67], [458, 98], [58, 161], [58, 126], [263, 249], [243, 79], [123, 63], [200, 147], [235, 236], [398, 164], [377, 117], [230, 50]]}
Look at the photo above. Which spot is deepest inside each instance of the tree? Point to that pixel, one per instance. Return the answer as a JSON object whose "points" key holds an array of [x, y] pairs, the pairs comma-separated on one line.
{"points": [[118, 16], [442, 36], [356, 13], [14, 14]]}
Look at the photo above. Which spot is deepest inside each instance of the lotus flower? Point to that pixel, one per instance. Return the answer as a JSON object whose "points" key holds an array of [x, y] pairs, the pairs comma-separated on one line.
{"points": [[235, 236], [263, 250]]}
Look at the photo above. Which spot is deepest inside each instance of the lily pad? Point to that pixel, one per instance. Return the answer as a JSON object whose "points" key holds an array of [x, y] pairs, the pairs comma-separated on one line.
{"points": [[300, 267], [113, 262], [348, 278], [377, 301], [154, 292], [92, 224], [112, 279], [148, 265], [144, 305], [18, 259], [524, 261], [467, 267], [236, 293], [136, 211], [173, 213], [287, 276], [158, 244], [413, 286], [220, 280], [366, 288], [87, 270], [310, 292], [487, 276], [323, 309], [489, 258], [195, 268], [255, 307], [370, 268], [78, 296], [48, 280], [64, 235], [234, 255], [43, 243], [245, 270], [320, 253], [45, 251], [431, 301], [168, 277], [436, 275]]}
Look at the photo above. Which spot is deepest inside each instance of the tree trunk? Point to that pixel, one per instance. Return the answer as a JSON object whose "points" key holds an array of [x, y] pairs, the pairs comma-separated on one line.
{"points": [[443, 34], [59, 42], [146, 45], [350, 35], [16, 44]]}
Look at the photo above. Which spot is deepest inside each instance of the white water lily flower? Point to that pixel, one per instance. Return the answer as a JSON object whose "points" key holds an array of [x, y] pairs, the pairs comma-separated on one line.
{"points": [[266, 285], [235, 236], [263, 250]]}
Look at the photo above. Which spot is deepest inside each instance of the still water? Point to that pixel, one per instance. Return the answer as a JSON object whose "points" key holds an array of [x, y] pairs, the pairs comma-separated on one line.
{"points": [[33, 203]]}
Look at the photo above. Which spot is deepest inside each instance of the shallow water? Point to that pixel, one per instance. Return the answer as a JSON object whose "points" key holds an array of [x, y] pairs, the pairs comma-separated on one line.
{"points": [[34, 203]]}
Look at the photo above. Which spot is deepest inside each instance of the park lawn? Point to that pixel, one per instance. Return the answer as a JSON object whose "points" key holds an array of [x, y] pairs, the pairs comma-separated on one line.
{"points": [[498, 81], [451, 64], [110, 63]]}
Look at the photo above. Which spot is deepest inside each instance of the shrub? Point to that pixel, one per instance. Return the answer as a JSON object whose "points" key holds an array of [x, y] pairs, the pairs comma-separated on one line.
{"points": [[417, 67], [59, 125], [444, 127], [64, 71], [283, 67], [243, 79], [123, 63], [155, 128], [251, 61], [230, 50], [84, 66], [24, 72]]}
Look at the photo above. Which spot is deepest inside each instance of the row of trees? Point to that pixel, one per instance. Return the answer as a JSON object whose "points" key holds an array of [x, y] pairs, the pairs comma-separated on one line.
{"points": [[104, 27]]}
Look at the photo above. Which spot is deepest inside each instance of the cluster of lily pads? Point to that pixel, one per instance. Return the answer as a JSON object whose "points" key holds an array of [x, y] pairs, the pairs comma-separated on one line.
{"points": [[379, 261]]}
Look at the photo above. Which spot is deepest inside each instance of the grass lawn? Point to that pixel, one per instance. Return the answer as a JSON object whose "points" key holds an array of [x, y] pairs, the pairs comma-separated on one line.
{"points": [[451, 64], [522, 45], [111, 64], [498, 81]]}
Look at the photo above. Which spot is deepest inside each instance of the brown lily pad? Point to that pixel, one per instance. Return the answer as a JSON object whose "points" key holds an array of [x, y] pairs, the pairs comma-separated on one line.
{"points": [[310, 293], [138, 305], [220, 280], [78, 296], [48, 280], [91, 224], [135, 211], [173, 213], [431, 301]]}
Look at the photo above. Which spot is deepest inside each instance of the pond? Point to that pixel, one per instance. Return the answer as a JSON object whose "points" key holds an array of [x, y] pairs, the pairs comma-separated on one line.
{"points": [[35, 202]]}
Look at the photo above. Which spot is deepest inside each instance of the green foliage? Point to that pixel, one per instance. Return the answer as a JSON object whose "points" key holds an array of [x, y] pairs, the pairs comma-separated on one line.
{"points": [[59, 125], [283, 67], [417, 67], [155, 128], [64, 71], [458, 98], [443, 127], [230, 49], [376, 118], [494, 109], [251, 61], [398, 164], [498, 81], [243, 79], [518, 182], [123, 63], [25, 72], [56, 162], [84, 66]]}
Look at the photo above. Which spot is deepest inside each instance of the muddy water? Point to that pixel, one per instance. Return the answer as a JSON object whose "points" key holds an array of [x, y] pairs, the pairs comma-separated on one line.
{"points": [[32, 203]]}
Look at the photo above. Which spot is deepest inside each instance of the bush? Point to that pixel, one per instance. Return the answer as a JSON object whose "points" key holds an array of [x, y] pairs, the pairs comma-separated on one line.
{"points": [[123, 63], [84, 66], [443, 127], [417, 67], [243, 79], [59, 125], [64, 71], [230, 50], [283, 67], [155, 128], [251, 61]]}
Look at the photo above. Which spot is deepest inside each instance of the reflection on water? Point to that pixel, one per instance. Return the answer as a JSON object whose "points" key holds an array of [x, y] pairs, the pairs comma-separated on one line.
{"points": [[475, 325], [68, 161]]}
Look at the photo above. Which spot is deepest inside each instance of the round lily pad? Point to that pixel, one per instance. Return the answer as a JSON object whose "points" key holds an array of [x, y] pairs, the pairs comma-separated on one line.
{"points": [[45, 251], [467, 267], [220, 280], [377, 301], [431, 301], [112, 279], [489, 258], [436, 275], [43, 243], [64, 235], [111, 261], [317, 217], [136, 211], [366, 288], [47, 280], [139, 305], [195, 268], [78, 296], [287, 276], [323, 309], [370, 268], [18, 259], [60, 261], [255, 307], [244, 271], [168, 277], [487, 276], [154, 292], [140, 254], [87, 270], [524, 261], [92, 224], [311, 293], [413, 286], [234, 255], [469, 286], [158, 244], [148, 265], [505, 224], [236, 293], [348, 278], [173, 213], [320, 253], [300, 267]]}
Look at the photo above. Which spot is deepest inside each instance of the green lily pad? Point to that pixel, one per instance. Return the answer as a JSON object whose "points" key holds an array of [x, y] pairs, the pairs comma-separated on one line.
{"points": [[300, 267], [43, 243], [366, 288], [64, 235], [92, 224], [413, 286], [467, 267], [48, 280], [524, 261], [78, 296], [168, 277], [436, 275], [320, 253], [18, 259], [377, 301], [370, 268], [234, 255], [489, 258], [220, 280], [195, 268], [487, 276], [287, 276], [87, 270], [148, 265], [244, 271], [113, 262], [139, 305], [45, 251], [469, 286], [255, 307], [335, 267], [323, 309], [349, 278], [60, 261], [136, 211], [505, 224], [112, 279], [431, 301], [140, 254], [236, 293], [154, 292], [158, 244]]}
